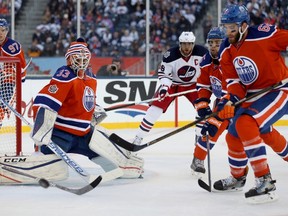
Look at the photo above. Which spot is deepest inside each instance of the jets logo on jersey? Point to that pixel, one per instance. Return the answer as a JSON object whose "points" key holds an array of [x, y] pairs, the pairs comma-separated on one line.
{"points": [[186, 73], [216, 85], [246, 69], [88, 99], [53, 89]]}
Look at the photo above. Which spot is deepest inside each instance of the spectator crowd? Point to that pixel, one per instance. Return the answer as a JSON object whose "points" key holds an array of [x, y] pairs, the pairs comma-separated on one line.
{"points": [[117, 27]]}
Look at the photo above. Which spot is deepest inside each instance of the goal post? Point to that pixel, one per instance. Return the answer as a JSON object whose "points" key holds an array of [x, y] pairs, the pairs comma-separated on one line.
{"points": [[10, 92]]}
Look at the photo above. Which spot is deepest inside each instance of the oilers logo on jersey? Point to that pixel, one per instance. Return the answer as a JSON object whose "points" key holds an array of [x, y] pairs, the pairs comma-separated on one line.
{"points": [[88, 99], [246, 69], [186, 73], [216, 86]]}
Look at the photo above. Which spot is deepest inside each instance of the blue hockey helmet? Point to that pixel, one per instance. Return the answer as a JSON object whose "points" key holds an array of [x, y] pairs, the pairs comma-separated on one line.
{"points": [[216, 33], [235, 14], [4, 23]]}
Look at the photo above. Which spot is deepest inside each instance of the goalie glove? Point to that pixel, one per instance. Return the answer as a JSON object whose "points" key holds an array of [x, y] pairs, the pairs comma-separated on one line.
{"points": [[99, 115], [43, 126], [163, 92]]}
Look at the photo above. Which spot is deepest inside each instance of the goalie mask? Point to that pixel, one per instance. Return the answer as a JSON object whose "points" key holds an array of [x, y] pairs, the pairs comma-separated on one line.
{"points": [[78, 57]]}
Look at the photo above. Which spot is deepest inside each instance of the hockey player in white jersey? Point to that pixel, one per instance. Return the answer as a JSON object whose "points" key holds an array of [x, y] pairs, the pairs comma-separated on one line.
{"points": [[178, 72]]}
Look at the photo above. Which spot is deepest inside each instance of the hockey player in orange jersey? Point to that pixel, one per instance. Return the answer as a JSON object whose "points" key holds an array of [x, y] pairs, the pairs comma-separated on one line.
{"points": [[250, 60], [8, 48], [209, 82], [63, 111]]}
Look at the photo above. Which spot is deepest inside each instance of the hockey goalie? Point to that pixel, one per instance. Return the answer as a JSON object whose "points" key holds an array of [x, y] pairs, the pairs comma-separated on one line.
{"points": [[64, 113]]}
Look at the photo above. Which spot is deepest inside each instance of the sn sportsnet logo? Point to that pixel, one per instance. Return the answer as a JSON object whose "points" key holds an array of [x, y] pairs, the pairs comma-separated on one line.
{"points": [[246, 69], [186, 73], [88, 99]]}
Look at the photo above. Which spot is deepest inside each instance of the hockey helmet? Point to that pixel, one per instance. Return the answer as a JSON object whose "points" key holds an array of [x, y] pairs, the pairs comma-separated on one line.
{"points": [[235, 14], [187, 37], [79, 55], [4, 24], [216, 33]]}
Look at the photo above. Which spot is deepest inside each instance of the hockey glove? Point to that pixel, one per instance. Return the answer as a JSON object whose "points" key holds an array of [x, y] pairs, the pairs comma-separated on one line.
{"points": [[226, 107], [163, 92], [211, 126], [202, 107]]}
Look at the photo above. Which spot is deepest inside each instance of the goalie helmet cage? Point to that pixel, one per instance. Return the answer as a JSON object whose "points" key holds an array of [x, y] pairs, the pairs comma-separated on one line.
{"points": [[10, 92]]}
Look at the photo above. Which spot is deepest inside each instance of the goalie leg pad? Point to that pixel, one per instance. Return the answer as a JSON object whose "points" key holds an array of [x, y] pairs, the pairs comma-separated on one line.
{"points": [[132, 166], [43, 126], [49, 167]]}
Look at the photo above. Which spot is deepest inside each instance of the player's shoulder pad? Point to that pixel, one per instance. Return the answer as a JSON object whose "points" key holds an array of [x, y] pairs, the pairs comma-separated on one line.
{"points": [[206, 60], [171, 54], [261, 31], [11, 47], [199, 50], [64, 73]]}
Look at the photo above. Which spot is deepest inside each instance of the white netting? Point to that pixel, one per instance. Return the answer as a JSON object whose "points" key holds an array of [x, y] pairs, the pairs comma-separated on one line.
{"points": [[8, 91]]}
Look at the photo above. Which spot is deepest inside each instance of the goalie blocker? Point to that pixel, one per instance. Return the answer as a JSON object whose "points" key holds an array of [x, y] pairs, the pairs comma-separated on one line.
{"points": [[95, 145]]}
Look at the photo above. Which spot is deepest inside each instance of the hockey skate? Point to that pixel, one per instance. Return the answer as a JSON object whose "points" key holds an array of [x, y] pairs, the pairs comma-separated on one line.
{"points": [[197, 167], [263, 192], [137, 140], [231, 183]]}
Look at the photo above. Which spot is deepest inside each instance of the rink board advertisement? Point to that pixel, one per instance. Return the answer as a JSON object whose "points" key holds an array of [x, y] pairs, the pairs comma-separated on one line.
{"points": [[112, 92]]}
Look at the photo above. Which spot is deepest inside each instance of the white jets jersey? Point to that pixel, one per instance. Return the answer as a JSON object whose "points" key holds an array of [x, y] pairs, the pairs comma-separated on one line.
{"points": [[179, 69]]}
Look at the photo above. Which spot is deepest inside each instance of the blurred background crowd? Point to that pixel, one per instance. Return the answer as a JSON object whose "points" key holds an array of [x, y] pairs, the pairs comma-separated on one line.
{"points": [[117, 27]]}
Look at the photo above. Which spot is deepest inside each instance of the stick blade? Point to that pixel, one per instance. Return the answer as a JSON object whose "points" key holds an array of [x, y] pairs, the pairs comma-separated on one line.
{"points": [[203, 185]]}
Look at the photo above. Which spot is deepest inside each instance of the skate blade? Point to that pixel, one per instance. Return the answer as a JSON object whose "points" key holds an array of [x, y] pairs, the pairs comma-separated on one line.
{"points": [[197, 175], [265, 198]]}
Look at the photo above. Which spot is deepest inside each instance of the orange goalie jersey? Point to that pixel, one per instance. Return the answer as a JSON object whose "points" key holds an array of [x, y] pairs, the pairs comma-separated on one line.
{"points": [[74, 99], [256, 62]]}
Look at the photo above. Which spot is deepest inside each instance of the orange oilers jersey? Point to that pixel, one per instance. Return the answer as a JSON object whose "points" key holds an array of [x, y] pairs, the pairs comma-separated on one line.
{"points": [[257, 62], [210, 80], [11, 48], [74, 99]]}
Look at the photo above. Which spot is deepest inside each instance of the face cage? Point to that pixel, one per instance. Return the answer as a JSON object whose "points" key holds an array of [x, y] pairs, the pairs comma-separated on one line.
{"points": [[80, 61]]}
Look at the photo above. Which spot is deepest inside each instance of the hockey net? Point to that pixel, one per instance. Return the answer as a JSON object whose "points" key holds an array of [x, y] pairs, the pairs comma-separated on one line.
{"points": [[10, 92]]}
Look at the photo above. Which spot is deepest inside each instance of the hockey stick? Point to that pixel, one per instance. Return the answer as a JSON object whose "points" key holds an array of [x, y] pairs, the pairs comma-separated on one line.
{"points": [[45, 183], [147, 101], [91, 179], [201, 183], [27, 64], [132, 147]]}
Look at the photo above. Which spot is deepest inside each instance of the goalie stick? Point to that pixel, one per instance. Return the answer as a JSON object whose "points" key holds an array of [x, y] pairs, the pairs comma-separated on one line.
{"points": [[45, 183], [132, 147], [113, 174], [146, 101]]}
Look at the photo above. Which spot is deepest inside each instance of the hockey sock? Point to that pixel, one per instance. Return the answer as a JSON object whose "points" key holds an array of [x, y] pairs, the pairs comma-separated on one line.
{"points": [[277, 142], [248, 132], [236, 156], [152, 114]]}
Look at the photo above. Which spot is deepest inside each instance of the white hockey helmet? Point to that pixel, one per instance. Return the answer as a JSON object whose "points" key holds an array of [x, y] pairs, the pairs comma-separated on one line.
{"points": [[187, 37]]}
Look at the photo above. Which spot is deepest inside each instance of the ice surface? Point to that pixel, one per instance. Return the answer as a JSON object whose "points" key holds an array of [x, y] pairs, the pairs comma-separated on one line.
{"points": [[167, 187]]}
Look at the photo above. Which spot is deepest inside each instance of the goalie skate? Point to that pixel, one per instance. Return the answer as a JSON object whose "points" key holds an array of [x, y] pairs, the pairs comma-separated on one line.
{"points": [[263, 192]]}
